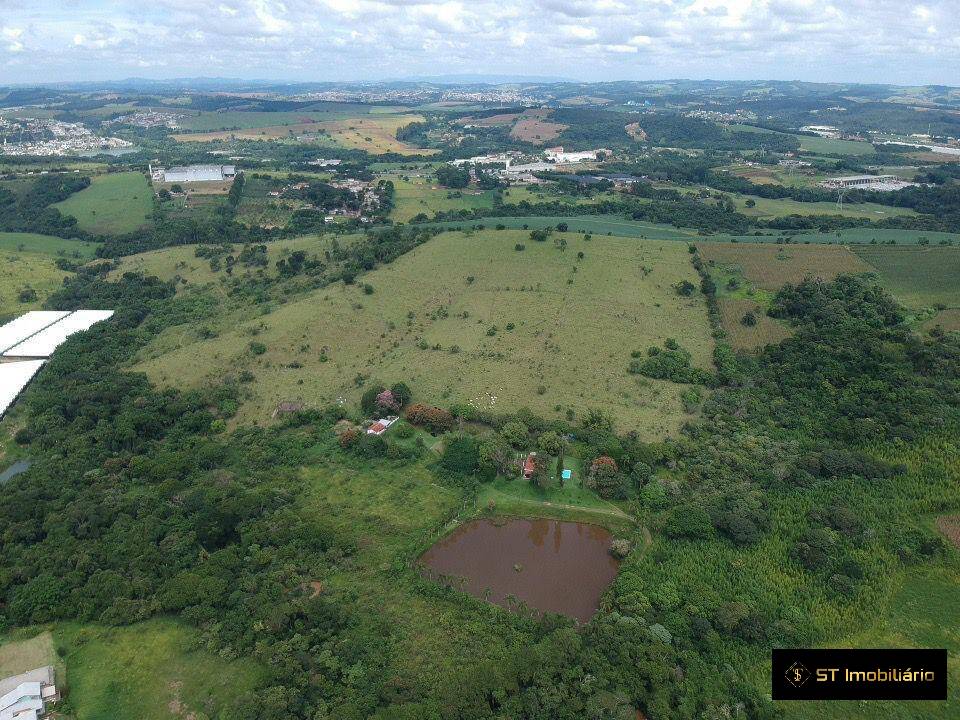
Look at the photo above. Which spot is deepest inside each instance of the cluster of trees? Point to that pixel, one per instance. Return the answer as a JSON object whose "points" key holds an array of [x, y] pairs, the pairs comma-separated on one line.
{"points": [[453, 176], [32, 211]]}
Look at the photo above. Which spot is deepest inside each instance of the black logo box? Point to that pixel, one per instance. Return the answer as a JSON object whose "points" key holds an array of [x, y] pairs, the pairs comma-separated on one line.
{"points": [[804, 674]]}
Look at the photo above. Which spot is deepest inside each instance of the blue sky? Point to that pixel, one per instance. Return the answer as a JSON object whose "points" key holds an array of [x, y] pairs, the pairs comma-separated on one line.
{"points": [[844, 40]]}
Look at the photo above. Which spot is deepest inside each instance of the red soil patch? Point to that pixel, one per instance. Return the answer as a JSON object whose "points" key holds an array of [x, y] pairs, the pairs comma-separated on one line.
{"points": [[949, 525]]}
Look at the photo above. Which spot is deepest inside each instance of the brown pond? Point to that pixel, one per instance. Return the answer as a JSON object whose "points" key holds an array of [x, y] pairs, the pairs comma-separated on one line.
{"points": [[552, 566]]}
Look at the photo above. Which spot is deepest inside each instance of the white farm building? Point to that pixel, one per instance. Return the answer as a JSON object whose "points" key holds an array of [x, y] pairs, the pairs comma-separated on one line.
{"points": [[194, 173]]}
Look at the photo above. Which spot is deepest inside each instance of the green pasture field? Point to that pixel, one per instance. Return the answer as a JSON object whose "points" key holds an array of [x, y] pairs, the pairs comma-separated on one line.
{"points": [[47, 245], [257, 207], [150, 671], [920, 276], [415, 195], [815, 144], [115, 203], [536, 328], [19, 271], [594, 224], [781, 207]]}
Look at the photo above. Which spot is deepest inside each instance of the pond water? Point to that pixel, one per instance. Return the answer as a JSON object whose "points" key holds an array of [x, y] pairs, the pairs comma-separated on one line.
{"points": [[552, 566], [11, 472]]}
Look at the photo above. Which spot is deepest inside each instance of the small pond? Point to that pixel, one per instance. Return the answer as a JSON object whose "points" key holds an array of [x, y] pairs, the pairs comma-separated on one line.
{"points": [[552, 566], [11, 472]]}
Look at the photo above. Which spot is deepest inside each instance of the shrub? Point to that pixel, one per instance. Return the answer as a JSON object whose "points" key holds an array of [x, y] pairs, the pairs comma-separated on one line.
{"points": [[434, 419], [620, 548]]}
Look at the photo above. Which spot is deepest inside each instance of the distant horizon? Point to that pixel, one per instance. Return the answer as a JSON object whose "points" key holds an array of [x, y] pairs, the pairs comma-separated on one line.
{"points": [[882, 42], [453, 80]]}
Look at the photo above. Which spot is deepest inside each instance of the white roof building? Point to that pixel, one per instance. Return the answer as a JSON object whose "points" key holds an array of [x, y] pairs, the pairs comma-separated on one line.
{"points": [[43, 343], [24, 697], [18, 330], [14, 377], [199, 173]]}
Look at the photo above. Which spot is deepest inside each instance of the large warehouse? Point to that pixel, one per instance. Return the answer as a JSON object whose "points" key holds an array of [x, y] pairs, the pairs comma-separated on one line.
{"points": [[196, 173]]}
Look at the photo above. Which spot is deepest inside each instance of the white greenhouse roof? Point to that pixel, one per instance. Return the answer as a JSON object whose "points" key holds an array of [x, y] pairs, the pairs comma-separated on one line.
{"points": [[16, 331], [14, 377], [46, 341]]}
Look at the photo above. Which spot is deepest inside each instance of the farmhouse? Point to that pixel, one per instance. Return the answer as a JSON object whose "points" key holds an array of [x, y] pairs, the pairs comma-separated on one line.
{"points": [[529, 465], [380, 426], [25, 697]]}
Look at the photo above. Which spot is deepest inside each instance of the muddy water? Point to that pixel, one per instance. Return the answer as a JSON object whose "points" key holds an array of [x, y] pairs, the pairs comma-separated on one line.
{"points": [[553, 566]]}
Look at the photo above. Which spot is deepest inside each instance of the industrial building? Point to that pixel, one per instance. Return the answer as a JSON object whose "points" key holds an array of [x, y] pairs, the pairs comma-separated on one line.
{"points": [[25, 697], [193, 173], [878, 183]]}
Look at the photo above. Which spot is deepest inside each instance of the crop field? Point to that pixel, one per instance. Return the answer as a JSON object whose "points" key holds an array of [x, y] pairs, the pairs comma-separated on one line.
{"points": [[919, 276], [768, 267], [595, 224], [470, 319], [113, 204], [863, 236], [744, 337], [148, 671]]}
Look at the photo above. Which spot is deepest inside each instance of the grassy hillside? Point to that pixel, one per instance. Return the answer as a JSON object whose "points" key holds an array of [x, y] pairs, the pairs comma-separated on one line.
{"points": [[28, 261], [114, 203], [182, 264], [470, 319]]}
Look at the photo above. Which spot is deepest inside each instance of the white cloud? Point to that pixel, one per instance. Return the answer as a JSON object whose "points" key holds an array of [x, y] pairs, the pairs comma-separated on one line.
{"points": [[869, 40]]}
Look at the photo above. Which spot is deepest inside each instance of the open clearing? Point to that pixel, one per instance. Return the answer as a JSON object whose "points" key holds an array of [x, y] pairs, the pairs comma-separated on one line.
{"points": [[149, 671], [533, 127], [769, 266], [19, 655], [743, 337], [767, 208], [22, 271], [919, 276], [374, 133], [415, 195], [47, 245], [113, 204], [948, 319], [527, 330], [243, 120]]}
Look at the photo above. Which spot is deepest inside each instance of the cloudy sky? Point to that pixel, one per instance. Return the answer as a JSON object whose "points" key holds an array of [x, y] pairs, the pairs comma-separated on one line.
{"points": [[895, 41]]}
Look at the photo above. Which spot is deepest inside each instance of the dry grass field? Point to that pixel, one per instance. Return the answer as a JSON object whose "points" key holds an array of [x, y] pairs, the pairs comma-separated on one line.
{"points": [[534, 127], [948, 319], [467, 318], [19, 656], [375, 134], [769, 266], [749, 338], [949, 525]]}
